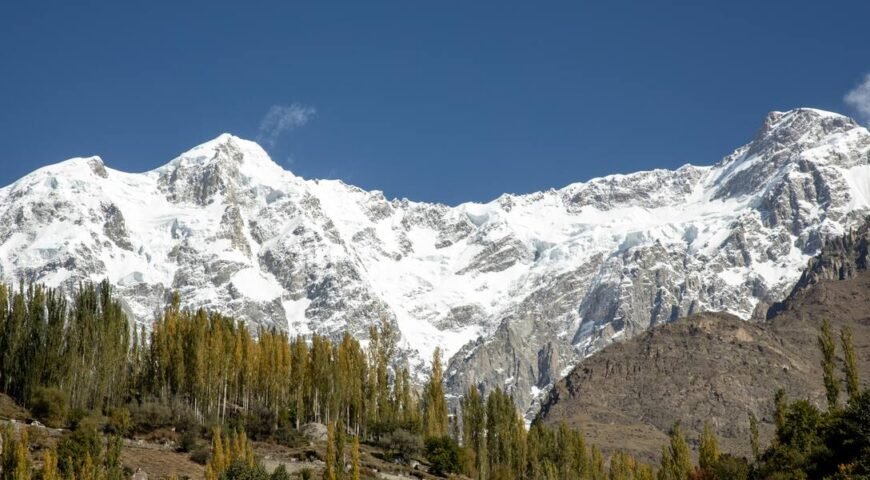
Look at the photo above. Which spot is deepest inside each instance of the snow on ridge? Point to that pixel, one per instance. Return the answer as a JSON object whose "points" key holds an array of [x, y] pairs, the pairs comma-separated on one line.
{"points": [[566, 270]]}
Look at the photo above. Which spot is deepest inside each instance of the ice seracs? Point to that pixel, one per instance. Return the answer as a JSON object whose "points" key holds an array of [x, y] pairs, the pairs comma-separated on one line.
{"points": [[515, 291]]}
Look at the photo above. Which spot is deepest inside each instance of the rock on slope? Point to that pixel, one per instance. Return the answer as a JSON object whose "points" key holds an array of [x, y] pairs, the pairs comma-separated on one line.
{"points": [[516, 290], [717, 368]]}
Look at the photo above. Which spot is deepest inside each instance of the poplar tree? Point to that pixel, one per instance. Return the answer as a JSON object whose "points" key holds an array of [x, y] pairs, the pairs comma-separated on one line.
{"points": [[355, 459], [780, 404], [329, 471], [474, 433], [597, 465], [708, 450], [754, 442], [218, 461], [435, 420], [339, 451], [828, 349], [850, 364], [49, 465], [676, 460]]}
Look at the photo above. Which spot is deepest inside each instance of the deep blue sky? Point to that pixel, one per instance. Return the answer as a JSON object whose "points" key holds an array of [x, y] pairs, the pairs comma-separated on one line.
{"points": [[439, 101]]}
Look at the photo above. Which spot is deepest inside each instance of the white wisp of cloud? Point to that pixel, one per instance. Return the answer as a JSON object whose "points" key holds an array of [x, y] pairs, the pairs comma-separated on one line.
{"points": [[282, 118], [859, 99]]}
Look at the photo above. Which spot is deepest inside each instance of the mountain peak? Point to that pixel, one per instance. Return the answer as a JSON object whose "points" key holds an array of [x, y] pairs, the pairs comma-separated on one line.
{"points": [[227, 147], [793, 124], [224, 163]]}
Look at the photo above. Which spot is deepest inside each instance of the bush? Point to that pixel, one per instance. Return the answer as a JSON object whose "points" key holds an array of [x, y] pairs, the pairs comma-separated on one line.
{"points": [[290, 437], [73, 448], [151, 415], [189, 441], [91, 420], [444, 455], [306, 474], [729, 467], [260, 424], [120, 422], [239, 470], [280, 473], [163, 436], [50, 406], [403, 444], [201, 455], [75, 417]]}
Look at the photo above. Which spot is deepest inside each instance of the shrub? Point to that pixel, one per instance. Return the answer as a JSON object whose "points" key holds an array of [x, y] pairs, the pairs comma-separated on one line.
{"points": [[75, 416], [151, 415], [729, 467], [189, 441], [50, 406], [444, 455], [239, 470], [403, 444], [120, 422], [201, 455], [75, 447], [290, 437], [260, 424], [280, 473]]}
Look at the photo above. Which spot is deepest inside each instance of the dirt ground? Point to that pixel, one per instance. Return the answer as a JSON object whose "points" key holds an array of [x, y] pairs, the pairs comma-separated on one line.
{"points": [[159, 462]]}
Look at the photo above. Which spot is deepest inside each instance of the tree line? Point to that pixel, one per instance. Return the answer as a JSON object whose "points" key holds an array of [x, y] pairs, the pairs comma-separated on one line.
{"points": [[194, 370]]}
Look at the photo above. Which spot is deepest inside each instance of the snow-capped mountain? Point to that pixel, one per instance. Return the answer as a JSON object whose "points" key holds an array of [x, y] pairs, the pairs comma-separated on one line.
{"points": [[515, 291]]}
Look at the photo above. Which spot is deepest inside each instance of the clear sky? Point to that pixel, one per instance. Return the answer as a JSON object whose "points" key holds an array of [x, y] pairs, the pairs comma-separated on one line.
{"points": [[437, 101]]}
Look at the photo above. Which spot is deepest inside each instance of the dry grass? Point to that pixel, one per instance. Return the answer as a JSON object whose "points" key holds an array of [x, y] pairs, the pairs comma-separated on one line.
{"points": [[10, 411], [160, 463]]}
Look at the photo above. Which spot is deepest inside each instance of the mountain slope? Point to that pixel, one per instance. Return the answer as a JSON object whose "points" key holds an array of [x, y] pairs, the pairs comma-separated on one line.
{"points": [[716, 368], [516, 290]]}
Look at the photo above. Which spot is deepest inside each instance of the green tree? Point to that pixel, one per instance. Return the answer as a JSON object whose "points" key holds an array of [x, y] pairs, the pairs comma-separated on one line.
{"points": [[435, 419], [444, 455], [729, 467], [829, 366], [597, 465], [355, 460], [329, 471], [708, 450], [850, 364], [780, 405], [15, 463], [79, 451], [676, 460], [49, 465], [50, 406], [474, 433], [754, 442], [218, 462]]}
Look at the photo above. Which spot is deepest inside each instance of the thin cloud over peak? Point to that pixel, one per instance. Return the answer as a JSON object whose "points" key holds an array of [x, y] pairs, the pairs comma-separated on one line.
{"points": [[859, 99], [282, 118]]}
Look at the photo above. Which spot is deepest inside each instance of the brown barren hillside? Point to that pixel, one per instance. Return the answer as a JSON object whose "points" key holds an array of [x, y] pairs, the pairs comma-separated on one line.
{"points": [[716, 367]]}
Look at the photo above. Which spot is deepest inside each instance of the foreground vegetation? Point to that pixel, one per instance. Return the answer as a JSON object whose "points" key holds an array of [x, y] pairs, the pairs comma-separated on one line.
{"points": [[204, 377]]}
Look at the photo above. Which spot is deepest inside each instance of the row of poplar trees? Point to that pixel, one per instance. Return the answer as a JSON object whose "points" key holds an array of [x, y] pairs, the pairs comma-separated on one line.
{"points": [[218, 369], [85, 348], [497, 446], [80, 347]]}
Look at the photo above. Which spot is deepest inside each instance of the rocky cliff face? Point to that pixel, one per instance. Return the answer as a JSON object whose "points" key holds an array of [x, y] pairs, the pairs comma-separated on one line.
{"points": [[516, 291]]}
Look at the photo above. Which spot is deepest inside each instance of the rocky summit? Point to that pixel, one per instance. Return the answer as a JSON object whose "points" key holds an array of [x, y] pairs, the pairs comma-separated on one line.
{"points": [[515, 291]]}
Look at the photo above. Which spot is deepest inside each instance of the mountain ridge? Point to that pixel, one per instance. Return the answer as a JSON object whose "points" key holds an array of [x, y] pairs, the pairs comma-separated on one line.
{"points": [[515, 290]]}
